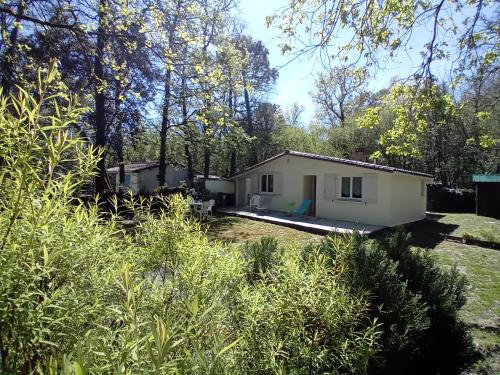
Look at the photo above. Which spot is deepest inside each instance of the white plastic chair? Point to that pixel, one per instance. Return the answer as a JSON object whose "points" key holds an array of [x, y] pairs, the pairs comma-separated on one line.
{"points": [[264, 203], [210, 206], [255, 202], [203, 209]]}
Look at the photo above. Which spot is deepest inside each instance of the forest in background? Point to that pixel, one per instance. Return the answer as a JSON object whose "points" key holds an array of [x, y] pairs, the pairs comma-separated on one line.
{"points": [[183, 81]]}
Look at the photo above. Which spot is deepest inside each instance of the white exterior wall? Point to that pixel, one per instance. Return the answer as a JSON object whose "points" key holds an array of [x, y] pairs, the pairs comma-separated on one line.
{"points": [[175, 175], [407, 201], [134, 182], [145, 181], [114, 179], [148, 180], [383, 210], [220, 186]]}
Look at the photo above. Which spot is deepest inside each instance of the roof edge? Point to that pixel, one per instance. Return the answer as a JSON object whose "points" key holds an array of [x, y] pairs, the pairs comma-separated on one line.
{"points": [[286, 152], [332, 159], [486, 177]]}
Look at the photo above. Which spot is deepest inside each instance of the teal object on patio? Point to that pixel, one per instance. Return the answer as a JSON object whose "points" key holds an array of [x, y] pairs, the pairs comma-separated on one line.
{"points": [[302, 210]]}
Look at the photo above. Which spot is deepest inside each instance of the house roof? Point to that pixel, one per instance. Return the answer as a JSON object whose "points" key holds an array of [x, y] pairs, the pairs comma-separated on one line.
{"points": [[201, 176], [138, 167], [486, 177], [333, 159], [134, 167]]}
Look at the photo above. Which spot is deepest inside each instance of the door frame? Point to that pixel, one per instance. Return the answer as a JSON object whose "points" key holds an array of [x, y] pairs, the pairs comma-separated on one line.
{"points": [[312, 194]]}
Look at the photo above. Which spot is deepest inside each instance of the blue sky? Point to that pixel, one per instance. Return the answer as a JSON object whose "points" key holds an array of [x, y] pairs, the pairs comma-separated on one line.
{"points": [[296, 79]]}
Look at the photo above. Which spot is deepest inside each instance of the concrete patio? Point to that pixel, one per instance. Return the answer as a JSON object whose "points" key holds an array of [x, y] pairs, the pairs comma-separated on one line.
{"points": [[302, 222]]}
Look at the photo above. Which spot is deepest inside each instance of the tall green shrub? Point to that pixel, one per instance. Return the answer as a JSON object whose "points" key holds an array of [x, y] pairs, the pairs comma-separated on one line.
{"points": [[415, 302], [400, 312], [46, 243], [447, 346], [301, 319], [260, 257], [77, 292]]}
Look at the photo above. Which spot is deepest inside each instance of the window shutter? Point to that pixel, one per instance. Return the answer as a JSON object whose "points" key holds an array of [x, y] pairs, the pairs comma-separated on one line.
{"points": [[370, 188], [278, 183], [330, 187], [255, 183]]}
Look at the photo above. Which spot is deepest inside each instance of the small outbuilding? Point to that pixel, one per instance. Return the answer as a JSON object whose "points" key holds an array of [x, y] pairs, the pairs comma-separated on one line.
{"points": [[487, 194], [143, 177], [216, 184], [336, 188]]}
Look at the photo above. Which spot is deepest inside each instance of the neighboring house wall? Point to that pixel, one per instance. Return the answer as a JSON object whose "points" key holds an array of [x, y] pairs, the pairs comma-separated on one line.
{"points": [[375, 206], [175, 175], [146, 180], [134, 182], [131, 181], [220, 186]]}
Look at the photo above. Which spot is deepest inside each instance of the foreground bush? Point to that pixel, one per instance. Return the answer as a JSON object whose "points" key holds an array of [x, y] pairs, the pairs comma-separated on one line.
{"points": [[300, 319], [261, 257], [79, 294], [414, 300], [447, 345]]}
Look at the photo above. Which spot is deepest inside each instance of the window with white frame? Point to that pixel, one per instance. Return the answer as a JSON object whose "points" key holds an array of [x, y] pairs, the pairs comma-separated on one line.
{"points": [[351, 187], [267, 183]]}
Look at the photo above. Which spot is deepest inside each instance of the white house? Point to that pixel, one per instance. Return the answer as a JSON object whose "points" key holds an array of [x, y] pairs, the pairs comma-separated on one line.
{"points": [[143, 177], [339, 189]]}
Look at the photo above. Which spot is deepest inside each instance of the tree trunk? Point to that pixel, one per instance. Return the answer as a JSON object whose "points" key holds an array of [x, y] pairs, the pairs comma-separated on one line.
{"points": [[206, 134], [165, 121], [121, 167], [232, 161], [248, 113], [187, 135], [119, 140], [189, 162], [250, 129], [121, 162], [342, 116], [100, 103], [164, 128], [206, 152], [232, 165], [8, 60]]}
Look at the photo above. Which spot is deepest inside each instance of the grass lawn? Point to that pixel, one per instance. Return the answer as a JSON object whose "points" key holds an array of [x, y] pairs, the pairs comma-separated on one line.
{"points": [[482, 268], [482, 227], [481, 265], [237, 230]]}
